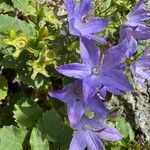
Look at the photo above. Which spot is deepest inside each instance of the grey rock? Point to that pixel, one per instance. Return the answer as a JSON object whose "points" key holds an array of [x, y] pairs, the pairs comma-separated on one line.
{"points": [[136, 108]]}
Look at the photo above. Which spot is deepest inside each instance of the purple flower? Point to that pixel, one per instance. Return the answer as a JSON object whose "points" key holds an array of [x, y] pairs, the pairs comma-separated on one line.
{"points": [[135, 26], [131, 45], [80, 22], [141, 68], [89, 133], [98, 71], [72, 95]]}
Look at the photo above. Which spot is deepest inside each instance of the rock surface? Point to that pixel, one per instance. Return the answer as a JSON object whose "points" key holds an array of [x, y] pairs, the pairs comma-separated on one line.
{"points": [[136, 107]]}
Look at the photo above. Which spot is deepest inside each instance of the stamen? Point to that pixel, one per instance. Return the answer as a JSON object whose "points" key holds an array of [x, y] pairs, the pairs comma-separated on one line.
{"points": [[88, 128], [98, 130], [85, 18], [78, 90], [95, 70]]}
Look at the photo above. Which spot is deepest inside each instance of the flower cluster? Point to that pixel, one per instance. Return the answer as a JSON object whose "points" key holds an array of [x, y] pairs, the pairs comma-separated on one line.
{"points": [[100, 72]]}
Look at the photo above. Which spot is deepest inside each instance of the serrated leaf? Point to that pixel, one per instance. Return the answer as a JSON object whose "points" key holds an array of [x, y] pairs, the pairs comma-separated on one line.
{"points": [[11, 138], [37, 142], [3, 87], [27, 112], [8, 23], [24, 6], [51, 125]]}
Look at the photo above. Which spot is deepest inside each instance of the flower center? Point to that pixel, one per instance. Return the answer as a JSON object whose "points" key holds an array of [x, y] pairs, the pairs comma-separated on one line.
{"points": [[86, 127], [89, 113], [78, 90], [85, 18], [95, 70]]}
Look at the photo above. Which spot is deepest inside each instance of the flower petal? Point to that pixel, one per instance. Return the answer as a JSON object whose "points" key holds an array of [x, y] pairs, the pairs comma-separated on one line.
{"points": [[93, 143], [113, 57], [131, 44], [75, 109], [96, 105], [77, 142], [75, 70], [70, 6], [138, 13], [88, 92], [84, 8], [96, 38], [89, 52], [94, 24], [117, 80], [109, 133], [62, 94]]}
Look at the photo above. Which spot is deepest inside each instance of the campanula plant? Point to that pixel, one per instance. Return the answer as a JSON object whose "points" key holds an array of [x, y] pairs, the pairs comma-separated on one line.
{"points": [[98, 71], [72, 95], [80, 21], [90, 132], [135, 25], [141, 69], [64, 66]]}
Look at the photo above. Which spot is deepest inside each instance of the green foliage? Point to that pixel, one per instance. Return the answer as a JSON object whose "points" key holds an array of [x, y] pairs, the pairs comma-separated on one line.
{"points": [[126, 131], [25, 111], [125, 128], [51, 125], [8, 23], [3, 87], [37, 142], [11, 138], [24, 6], [116, 10]]}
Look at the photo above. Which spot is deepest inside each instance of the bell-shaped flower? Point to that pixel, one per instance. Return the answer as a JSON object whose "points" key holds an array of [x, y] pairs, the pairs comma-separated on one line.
{"points": [[141, 68], [80, 22], [90, 132], [72, 95], [98, 71], [134, 25]]}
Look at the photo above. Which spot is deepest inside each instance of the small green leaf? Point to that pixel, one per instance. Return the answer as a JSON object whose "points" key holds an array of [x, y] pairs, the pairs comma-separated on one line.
{"points": [[51, 125], [65, 139], [37, 142], [24, 6], [124, 127], [11, 138], [3, 87], [25, 111], [5, 8], [8, 23], [106, 3]]}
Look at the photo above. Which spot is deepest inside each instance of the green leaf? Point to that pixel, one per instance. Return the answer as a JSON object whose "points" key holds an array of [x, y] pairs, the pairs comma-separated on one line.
{"points": [[24, 6], [8, 23], [51, 125], [106, 4], [125, 128], [11, 138], [5, 8], [37, 142], [3, 87], [65, 139], [27, 112]]}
